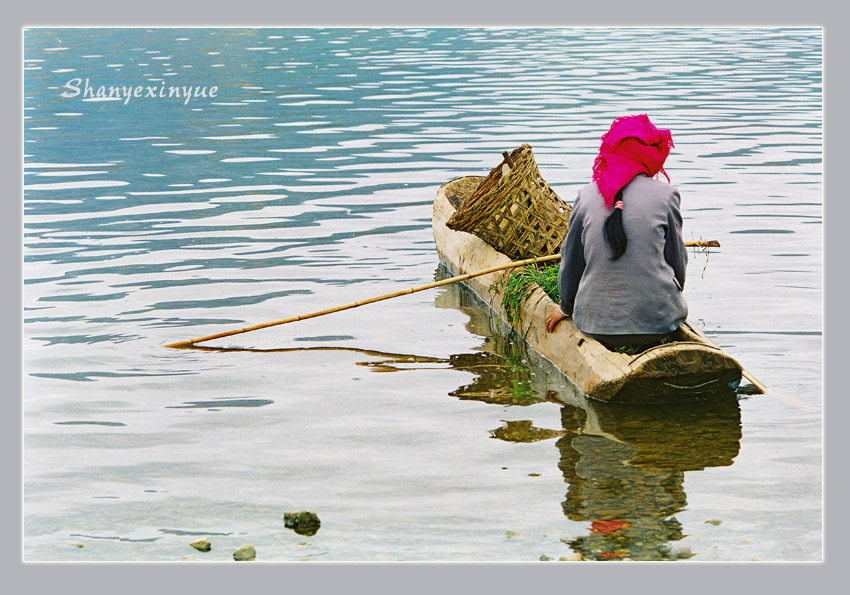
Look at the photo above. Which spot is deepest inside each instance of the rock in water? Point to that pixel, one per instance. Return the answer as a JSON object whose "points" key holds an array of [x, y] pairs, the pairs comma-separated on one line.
{"points": [[246, 552], [304, 522], [202, 546]]}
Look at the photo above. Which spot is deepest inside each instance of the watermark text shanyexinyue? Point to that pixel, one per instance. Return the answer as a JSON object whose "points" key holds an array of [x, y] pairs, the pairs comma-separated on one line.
{"points": [[76, 87]]}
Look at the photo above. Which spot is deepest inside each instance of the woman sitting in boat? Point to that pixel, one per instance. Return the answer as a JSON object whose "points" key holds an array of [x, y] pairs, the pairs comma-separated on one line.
{"points": [[623, 260]]}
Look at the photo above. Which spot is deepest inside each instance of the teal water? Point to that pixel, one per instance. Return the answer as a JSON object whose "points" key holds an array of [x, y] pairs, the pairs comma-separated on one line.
{"points": [[411, 427]]}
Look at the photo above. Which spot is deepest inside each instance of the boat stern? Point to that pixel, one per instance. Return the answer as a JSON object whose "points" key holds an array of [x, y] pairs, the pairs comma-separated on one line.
{"points": [[678, 371]]}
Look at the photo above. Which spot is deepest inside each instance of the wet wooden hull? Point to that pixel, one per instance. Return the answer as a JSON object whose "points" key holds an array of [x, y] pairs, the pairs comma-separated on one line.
{"points": [[686, 369]]}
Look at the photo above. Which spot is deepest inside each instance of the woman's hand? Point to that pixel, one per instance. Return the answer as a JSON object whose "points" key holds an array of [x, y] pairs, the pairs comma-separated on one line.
{"points": [[553, 318]]}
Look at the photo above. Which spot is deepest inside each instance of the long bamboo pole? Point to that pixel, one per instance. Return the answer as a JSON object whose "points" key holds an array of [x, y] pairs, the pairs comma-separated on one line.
{"points": [[372, 300], [387, 296]]}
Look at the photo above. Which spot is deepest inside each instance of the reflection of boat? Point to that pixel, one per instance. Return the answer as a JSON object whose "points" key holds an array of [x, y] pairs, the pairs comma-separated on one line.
{"points": [[687, 368]]}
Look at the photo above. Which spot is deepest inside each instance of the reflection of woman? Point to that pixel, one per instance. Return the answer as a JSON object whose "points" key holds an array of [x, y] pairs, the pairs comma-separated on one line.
{"points": [[625, 468], [623, 260]]}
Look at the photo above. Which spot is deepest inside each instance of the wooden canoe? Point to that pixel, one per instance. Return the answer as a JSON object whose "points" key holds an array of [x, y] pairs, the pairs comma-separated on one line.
{"points": [[688, 368]]}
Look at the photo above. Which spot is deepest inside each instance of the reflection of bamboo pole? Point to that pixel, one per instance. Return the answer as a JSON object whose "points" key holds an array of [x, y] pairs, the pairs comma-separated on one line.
{"points": [[387, 296], [744, 373]]}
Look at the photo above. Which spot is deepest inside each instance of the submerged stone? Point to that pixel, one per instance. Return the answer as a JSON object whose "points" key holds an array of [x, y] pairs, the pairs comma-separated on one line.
{"points": [[202, 546], [303, 522], [748, 389], [246, 552]]}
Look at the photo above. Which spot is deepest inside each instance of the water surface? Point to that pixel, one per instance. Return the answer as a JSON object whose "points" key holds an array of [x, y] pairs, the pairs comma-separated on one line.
{"points": [[412, 427]]}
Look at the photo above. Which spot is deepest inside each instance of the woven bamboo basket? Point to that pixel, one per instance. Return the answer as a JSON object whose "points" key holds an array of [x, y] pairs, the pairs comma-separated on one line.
{"points": [[514, 210]]}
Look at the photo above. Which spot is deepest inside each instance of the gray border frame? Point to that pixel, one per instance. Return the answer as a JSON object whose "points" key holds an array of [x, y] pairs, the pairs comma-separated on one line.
{"points": [[426, 577]]}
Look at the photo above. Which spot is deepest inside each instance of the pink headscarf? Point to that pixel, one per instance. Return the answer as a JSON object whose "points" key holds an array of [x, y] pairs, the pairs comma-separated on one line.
{"points": [[631, 146]]}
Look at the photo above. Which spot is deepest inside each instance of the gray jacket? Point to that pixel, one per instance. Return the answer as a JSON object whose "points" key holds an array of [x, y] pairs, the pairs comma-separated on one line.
{"points": [[640, 292]]}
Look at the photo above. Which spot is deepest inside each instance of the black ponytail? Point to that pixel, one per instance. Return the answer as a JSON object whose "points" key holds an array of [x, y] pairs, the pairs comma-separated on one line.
{"points": [[615, 235]]}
